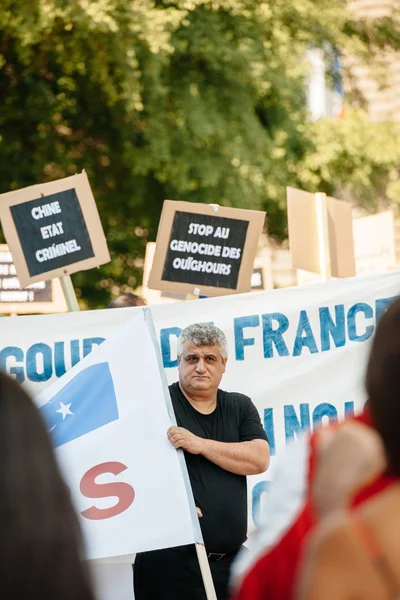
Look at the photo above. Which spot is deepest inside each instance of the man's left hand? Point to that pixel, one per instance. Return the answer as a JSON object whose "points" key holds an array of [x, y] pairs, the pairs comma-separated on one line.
{"points": [[182, 438]]}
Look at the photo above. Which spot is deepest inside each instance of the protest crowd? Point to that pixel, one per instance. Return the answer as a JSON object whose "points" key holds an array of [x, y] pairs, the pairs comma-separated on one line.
{"points": [[231, 431]]}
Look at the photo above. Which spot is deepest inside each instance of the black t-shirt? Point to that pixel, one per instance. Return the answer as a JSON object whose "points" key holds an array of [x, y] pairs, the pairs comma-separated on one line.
{"points": [[220, 495]]}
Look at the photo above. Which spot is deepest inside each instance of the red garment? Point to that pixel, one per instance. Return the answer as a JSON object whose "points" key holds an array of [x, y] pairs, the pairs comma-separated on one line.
{"points": [[272, 575]]}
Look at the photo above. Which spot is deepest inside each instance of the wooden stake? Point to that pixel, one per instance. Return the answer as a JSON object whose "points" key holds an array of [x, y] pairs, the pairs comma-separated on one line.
{"points": [[323, 236], [206, 572], [69, 293]]}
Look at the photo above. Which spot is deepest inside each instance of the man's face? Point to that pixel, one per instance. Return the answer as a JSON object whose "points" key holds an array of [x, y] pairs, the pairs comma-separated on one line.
{"points": [[200, 368]]}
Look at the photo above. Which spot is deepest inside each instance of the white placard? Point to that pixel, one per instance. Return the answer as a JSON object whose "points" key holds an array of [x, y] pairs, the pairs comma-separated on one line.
{"points": [[108, 418], [374, 243]]}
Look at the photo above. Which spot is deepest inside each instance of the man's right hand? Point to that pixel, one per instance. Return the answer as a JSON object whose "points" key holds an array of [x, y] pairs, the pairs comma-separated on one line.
{"points": [[185, 439]]}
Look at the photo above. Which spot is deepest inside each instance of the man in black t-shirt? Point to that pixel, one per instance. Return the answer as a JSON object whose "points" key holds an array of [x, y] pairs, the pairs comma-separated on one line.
{"points": [[223, 441]]}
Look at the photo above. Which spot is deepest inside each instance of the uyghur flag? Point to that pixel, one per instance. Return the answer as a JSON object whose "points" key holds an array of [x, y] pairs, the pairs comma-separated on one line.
{"points": [[86, 403]]}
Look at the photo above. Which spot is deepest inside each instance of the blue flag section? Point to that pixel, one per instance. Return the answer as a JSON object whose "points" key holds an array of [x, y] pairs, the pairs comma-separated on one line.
{"points": [[84, 404]]}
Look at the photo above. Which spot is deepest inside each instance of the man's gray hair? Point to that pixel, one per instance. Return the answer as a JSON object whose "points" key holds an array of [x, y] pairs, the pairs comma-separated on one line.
{"points": [[203, 334]]}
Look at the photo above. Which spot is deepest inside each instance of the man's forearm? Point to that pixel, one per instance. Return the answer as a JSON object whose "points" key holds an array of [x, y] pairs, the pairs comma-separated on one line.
{"points": [[242, 458]]}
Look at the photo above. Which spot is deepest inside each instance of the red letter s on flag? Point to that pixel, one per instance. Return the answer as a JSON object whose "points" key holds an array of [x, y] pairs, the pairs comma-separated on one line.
{"points": [[89, 488]]}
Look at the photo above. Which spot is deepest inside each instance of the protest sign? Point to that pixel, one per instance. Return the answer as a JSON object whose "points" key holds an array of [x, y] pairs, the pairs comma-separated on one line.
{"points": [[286, 349], [320, 234], [108, 418], [53, 229], [261, 278], [374, 242], [340, 237], [205, 249], [374, 247], [39, 297], [303, 230]]}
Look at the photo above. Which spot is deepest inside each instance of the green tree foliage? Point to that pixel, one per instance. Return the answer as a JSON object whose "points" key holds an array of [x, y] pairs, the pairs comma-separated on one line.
{"points": [[200, 100], [355, 158]]}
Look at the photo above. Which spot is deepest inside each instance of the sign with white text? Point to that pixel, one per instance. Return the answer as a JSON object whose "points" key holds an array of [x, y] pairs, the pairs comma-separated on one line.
{"points": [[53, 229], [205, 249], [39, 297]]}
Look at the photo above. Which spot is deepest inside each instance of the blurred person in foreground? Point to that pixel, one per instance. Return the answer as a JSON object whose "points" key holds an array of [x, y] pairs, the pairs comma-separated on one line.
{"points": [[313, 478], [41, 546], [125, 300], [357, 555], [223, 441]]}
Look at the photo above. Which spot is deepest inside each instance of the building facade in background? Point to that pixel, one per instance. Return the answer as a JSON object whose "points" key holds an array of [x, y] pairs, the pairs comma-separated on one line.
{"points": [[379, 84]]}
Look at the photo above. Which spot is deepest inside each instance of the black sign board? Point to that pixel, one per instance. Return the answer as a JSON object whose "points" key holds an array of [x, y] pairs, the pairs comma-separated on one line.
{"points": [[205, 250], [10, 289], [52, 231]]}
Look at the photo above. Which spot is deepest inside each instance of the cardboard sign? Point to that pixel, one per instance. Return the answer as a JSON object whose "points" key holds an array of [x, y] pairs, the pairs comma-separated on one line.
{"points": [[341, 242], [374, 240], [307, 236], [261, 278], [205, 249], [303, 230], [374, 247], [53, 229], [39, 297]]}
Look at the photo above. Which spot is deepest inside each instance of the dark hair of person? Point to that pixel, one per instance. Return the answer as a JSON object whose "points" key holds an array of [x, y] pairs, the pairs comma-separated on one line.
{"points": [[125, 300], [383, 383], [40, 540]]}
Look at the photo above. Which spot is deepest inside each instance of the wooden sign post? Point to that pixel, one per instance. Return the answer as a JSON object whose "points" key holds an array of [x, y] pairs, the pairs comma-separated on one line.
{"points": [[320, 234], [205, 249], [54, 229], [206, 572]]}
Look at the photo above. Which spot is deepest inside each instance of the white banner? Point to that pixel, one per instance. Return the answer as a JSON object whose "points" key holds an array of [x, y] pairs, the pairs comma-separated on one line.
{"points": [[299, 353], [108, 418]]}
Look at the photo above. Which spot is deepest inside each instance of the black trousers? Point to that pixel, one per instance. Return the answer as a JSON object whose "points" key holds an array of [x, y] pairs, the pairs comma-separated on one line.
{"points": [[174, 574]]}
